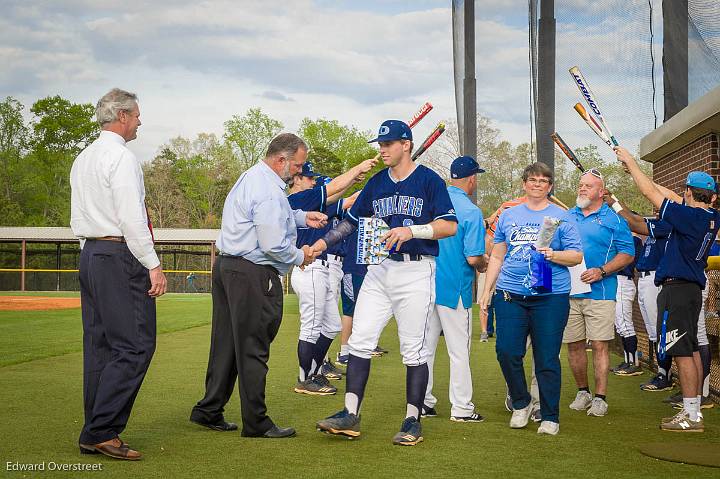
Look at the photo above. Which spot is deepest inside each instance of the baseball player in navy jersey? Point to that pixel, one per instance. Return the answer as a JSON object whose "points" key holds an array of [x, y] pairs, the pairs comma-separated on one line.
{"points": [[681, 273], [413, 201], [657, 232], [624, 326], [319, 317]]}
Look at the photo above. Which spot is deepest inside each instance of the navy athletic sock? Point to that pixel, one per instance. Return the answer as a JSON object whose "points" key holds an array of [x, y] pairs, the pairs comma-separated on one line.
{"points": [[305, 358], [630, 345], [664, 366], [416, 380], [652, 345], [356, 377], [320, 349], [705, 359]]}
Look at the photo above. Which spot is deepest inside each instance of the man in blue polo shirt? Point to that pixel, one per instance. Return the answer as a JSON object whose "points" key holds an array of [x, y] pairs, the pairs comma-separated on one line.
{"points": [[460, 256], [681, 273], [607, 248]]}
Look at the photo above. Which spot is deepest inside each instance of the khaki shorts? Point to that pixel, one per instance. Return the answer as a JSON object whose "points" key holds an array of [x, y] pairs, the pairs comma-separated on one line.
{"points": [[590, 319]]}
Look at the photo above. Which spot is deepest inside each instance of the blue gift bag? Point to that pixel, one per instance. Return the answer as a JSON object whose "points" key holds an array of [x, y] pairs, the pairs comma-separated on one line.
{"points": [[540, 273]]}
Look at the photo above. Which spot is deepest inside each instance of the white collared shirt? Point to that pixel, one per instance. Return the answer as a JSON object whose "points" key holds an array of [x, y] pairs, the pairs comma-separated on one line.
{"points": [[258, 222], [108, 196]]}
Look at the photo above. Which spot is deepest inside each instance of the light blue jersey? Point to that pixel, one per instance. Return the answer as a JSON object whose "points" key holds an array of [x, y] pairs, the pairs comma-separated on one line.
{"points": [[604, 234], [518, 228], [454, 276]]}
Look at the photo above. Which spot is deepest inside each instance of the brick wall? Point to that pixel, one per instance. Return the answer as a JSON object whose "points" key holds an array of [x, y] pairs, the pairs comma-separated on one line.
{"points": [[671, 172]]}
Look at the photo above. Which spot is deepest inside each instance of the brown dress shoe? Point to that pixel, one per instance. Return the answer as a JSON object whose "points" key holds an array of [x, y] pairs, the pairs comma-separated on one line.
{"points": [[114, 448]]}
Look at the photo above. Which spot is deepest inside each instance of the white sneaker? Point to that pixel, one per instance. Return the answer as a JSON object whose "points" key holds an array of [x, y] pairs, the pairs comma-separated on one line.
{"points": [[598, 408], [520, 417], [549, 427], [582, 401], [536, 415]]}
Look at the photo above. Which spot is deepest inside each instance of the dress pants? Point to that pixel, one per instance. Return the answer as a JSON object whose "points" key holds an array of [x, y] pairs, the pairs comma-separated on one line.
{"points": [[118, 336], [247, 311]]}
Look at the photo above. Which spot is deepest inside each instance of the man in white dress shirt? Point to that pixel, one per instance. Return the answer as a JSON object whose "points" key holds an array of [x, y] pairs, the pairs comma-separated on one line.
{"points": [[120, 275]]}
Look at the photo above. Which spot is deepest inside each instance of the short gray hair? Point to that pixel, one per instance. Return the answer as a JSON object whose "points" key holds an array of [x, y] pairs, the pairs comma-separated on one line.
{"points": [[286, 144], [114, 101]]}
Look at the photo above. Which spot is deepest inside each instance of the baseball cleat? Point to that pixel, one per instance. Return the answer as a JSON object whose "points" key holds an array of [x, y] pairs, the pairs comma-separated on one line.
{"points": [[330, 371], [629, 370], [342, 360], [658, 383], [474, 417], [378, 351], [427, 411], [598, 408], [675, 398], [582, 401], [705, 403], [681, 422], [410, 433], [315, 386], [536, 416], [620, 366], [341, 423], [549, 427]]}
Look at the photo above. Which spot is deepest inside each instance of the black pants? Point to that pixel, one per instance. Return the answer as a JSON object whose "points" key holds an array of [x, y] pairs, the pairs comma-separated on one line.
{"points": [[118, 336], [247, 311]]}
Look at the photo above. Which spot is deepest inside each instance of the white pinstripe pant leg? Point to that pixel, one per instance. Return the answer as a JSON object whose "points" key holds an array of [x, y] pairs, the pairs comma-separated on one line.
{"points": [[623, 306]]}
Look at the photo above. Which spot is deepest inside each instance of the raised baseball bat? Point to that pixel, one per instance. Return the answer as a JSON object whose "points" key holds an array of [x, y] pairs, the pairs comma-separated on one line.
{"points": [[415, 119], [591, 101], [568, 152], [593, 124], [429, 140]]}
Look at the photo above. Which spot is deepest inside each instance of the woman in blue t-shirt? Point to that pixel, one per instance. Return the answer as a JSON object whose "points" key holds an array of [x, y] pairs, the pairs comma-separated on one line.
{"points": [[522, 310]]}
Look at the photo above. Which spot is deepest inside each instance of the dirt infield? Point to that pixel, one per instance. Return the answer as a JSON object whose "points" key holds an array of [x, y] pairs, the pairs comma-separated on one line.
{"points": [[36, 303]]}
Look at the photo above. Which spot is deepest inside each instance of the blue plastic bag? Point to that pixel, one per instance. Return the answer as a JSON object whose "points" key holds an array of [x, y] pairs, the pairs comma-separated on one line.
{"points": [[540, 273]]}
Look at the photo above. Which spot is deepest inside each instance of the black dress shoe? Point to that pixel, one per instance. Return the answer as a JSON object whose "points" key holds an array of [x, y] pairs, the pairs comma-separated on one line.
{"points": [[220, 425], [279, 432]]}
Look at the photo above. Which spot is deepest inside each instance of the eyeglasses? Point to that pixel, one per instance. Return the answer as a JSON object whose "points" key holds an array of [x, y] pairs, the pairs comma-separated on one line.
{"points": [[538, 181], [593, 171]]}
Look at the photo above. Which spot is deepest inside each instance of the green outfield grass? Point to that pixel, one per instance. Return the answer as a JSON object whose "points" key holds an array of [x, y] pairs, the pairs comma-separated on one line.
{"points": [[41, 391]]}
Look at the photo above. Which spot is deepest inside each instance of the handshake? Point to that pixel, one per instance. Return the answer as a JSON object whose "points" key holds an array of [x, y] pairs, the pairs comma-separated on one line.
{"points": [[312, 252]]}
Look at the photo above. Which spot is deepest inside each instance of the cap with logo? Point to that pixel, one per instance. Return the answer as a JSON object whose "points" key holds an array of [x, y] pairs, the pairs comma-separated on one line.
{"points": [[700, 179], [322, 180], [392, 130], [464, 166], [307, 170]]}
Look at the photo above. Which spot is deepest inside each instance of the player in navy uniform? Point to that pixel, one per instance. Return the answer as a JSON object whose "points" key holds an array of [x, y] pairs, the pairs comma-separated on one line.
{"points": [[319, 317], [413, 201], [681, 273], [624, 326]]}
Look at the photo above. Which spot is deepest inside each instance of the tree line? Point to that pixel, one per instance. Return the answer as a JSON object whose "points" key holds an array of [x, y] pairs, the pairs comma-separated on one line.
{"points": [[188, 178]]}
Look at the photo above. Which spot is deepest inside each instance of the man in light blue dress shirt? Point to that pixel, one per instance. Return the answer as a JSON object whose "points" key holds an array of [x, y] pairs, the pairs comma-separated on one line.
{"points": [[460, 256], [257, 244]]}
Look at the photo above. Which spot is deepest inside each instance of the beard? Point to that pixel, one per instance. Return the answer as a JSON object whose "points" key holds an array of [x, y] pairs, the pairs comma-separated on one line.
{"points": [[582, 203], [285, 174]]}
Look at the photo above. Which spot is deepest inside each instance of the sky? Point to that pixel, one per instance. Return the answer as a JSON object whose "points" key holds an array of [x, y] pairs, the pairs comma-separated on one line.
{"points": [[195, 64]]}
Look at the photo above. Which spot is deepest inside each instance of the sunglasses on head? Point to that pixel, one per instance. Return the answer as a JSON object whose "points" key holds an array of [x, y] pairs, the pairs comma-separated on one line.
{"points": [[593, 171]]}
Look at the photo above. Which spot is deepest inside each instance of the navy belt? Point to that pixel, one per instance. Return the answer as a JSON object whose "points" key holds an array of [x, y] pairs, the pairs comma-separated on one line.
{"points": [[405, 257]]}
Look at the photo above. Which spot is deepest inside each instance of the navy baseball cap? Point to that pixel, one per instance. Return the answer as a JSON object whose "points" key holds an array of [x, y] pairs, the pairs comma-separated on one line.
{"points": [[464, 166], [699, 179], [391, 130], [322, 180], [307, 170]]}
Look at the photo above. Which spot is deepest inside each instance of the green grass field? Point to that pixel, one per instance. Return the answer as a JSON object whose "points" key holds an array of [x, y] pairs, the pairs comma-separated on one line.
{"points": [[41, 394]]}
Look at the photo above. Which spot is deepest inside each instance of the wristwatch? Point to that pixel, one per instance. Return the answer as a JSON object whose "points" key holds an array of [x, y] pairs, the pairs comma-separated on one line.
{"points": [[603, 273]]}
